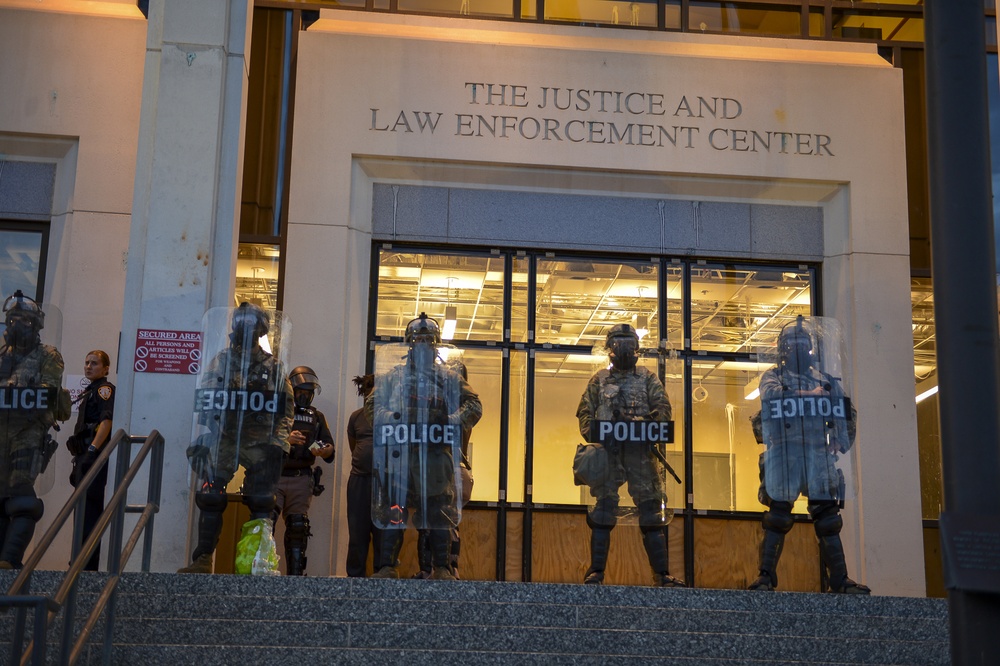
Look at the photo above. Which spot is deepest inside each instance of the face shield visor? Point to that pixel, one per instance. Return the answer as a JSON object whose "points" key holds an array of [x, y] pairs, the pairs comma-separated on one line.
{"points": [[624, 352]]}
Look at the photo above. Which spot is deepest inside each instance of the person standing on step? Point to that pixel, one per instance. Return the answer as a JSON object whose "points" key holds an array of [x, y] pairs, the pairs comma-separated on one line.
{"points": [[244, 411], [31, 375], [360, 528], [808, 426], [419, 408], [618, 397], [91, 433], [310, 439]]}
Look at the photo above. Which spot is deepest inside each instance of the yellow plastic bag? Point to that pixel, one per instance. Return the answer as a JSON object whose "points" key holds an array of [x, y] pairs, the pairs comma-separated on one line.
{"points": [[256, 553]]}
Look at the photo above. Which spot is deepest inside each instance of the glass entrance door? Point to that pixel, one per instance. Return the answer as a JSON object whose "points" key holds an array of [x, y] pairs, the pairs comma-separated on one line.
{"points": [[531, 327]]}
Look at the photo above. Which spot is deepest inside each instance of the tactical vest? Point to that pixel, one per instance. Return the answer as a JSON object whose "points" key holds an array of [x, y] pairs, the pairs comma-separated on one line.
{"points": [[622, 395], [306, 422]]}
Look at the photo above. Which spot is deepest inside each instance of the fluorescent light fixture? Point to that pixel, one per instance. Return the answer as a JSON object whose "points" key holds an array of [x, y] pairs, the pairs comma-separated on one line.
{"points": [[752, 390], [926, 389], [450, 322]]}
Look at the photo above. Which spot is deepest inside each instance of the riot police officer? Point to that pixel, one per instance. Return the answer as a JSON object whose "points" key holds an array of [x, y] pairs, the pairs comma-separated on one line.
{"points": [[419, 409], [627, 393], [807, 423], [310, 439], [244, 413], [31, 383]]}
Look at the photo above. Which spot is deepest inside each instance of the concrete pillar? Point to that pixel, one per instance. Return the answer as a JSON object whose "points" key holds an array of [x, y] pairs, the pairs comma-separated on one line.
{"points": [[184, 230]]}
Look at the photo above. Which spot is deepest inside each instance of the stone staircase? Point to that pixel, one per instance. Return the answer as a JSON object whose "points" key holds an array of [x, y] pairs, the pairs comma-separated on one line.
{"points": [[218, 619]]}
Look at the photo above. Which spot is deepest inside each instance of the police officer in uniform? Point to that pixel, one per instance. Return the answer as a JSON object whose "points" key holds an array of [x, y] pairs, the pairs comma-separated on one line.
{"points": [[433, 492], [310, 439], [91, 433], [627, 392], [25, 446], [239, 436], [802, 453]]}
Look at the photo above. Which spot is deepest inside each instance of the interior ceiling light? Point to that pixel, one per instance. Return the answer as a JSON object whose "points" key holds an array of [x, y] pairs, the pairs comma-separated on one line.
{"points": [[450, 322]]}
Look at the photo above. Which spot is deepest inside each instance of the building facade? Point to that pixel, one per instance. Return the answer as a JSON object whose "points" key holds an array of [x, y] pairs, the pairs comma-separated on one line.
{"points": [[532, 184]]}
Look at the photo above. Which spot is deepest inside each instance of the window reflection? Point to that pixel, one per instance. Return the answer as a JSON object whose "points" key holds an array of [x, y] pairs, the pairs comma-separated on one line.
{"points": [[747, 18], [603, 12], [20, 261]]}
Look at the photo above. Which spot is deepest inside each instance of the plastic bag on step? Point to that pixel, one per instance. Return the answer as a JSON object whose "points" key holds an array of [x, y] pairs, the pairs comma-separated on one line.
{"points": [[256, 553]]}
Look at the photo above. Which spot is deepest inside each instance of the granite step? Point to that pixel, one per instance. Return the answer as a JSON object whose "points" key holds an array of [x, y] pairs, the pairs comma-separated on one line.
{"points": [[167, 618]]}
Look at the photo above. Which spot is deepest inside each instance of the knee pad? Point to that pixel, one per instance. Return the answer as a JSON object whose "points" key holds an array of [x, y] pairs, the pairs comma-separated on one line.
{"points": [[602, 516], [211, 499], [297, 527], [25, 506], [651, 516], [827, 520], [778, 518], [260, 505]]}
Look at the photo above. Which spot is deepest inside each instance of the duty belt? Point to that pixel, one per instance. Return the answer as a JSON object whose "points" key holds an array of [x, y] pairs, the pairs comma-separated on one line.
{"points": [[296, 472]]}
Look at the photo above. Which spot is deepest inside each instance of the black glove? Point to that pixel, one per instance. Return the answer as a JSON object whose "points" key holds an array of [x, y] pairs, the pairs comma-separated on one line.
{"points": [[82, 464], [76, 444]]}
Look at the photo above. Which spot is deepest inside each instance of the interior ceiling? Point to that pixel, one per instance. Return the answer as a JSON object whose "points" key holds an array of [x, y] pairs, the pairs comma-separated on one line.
{"points": [[733, 311]]}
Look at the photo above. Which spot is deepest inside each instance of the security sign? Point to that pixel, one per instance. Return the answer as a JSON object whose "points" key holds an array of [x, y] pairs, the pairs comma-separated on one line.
{"points": [[171, 352]]}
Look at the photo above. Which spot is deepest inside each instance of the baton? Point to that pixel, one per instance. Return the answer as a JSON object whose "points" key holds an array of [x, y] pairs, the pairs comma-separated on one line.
{"points": [[659, 456]]}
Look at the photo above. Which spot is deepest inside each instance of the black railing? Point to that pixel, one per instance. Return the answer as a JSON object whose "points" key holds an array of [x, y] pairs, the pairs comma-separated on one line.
{"points": [[47, 607]]}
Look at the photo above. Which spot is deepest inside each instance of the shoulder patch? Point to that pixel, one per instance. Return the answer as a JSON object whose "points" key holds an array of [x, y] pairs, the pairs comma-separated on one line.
{"points": [[104, 392]]}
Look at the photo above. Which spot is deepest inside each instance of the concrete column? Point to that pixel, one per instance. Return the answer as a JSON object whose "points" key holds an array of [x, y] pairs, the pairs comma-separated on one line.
{"points": [[184, 230]]}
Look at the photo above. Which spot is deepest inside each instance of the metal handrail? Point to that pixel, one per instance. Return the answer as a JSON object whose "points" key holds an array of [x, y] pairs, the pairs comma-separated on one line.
{"points": [[47, 607]]}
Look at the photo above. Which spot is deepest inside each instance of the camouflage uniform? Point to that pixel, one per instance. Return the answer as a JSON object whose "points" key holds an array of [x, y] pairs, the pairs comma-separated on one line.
{"points": [[22, 434], [625, 395]]}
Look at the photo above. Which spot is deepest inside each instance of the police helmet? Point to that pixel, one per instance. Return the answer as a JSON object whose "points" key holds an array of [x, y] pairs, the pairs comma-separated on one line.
{"points": [[303, 377], [25, 307], [251, 319], [621, 331], [795, 335], [423, 326]]}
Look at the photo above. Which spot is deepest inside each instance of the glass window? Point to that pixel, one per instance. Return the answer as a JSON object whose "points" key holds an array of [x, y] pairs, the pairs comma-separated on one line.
{"points": [[463, 292], [577, 301], [737, 309], [495, 8], [639, 13], [884, 25], [925, 391], [257, 275], [22, 262], [762, 19]]}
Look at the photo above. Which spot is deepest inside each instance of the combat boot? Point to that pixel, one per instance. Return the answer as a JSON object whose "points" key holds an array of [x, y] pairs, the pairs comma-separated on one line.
{"points": [[387, 571], [848, 586], [600, 544], [666, 580], [201, 565], [442, 573], [764, 582]]}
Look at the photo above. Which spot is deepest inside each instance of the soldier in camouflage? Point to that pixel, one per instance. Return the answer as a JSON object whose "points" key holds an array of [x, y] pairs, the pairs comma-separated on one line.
{"points": [[627, 392], [255, 440], [25, 447], [392, 394]]}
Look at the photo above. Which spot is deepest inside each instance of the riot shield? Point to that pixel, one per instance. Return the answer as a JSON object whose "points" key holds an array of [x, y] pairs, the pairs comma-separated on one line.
{"points": [[32, 399], [627, 419], [417, 436], [243, 413], [808, 422]]}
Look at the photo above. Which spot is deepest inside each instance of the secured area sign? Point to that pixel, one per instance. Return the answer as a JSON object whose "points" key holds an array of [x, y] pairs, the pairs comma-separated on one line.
{"points": [[173, 352]]}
